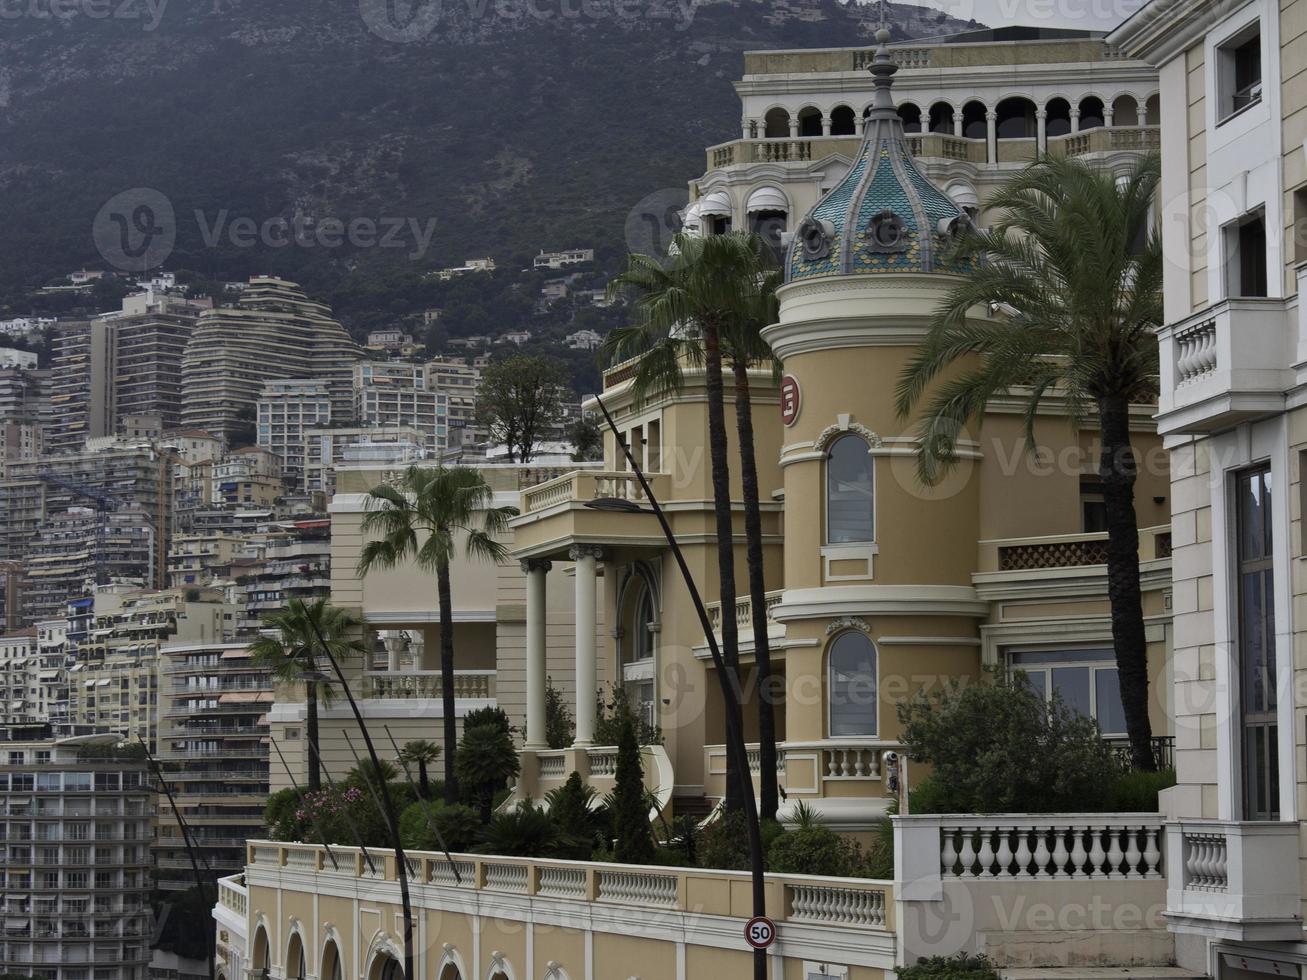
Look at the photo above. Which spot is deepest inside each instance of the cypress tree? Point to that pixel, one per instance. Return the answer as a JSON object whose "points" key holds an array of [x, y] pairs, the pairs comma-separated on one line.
{"points": [[630, 812]]}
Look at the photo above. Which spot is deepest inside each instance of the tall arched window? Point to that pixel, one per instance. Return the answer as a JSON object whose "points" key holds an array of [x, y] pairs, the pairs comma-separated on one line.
{"points": [[851, 685], [850, 492]]}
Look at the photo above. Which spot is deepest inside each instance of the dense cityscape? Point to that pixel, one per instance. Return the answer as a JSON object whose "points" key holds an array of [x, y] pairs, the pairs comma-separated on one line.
{"points": [[879, 564]]}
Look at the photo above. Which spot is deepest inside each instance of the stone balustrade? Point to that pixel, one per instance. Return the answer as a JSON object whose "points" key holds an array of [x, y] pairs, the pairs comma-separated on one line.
{"points": [[1058, 846], [427, 684], [233, 895]]}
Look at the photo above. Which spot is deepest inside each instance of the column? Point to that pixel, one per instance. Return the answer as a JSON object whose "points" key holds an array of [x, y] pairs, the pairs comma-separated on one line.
{"points": [[587, 681], [1041, 129], [957, 123], [1108, 114], [744, 128], [394, 641], [794, 127], [1075, 119], [535, 569], [825, 125], [991, 135]]}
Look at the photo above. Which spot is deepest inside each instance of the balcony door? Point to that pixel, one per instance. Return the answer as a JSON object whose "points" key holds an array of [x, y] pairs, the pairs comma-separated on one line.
{"points": [[1255, 637]]}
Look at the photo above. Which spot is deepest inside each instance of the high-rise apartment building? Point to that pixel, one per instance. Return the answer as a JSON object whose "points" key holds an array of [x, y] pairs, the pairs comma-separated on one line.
{"points": [[274, 332], [328, 448], [75, 883], [287, 410], [123, 363], [396, 393]]}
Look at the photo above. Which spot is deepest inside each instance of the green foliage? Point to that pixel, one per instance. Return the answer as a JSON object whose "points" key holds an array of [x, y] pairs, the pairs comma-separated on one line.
{"points": [[616, 713], [459, 825], [524, 831], [420, 753], [1135, 791], [279, 814], [959, 967], [519, 399], [367, 774], [813, 851], [724, 843], [580, 822], [630, 810], [486, 759], [997, 747], [587, 438], [559, 727], [489, 715]]}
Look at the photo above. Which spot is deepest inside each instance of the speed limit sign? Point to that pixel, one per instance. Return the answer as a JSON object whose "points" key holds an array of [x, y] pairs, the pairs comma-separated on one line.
{"points": [[760, 932]]}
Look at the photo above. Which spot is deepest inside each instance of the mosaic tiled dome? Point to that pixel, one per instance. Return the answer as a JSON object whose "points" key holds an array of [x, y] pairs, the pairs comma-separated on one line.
{"points": [[885, 215]]}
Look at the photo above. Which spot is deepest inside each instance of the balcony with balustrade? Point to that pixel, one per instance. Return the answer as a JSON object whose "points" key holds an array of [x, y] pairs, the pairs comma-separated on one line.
{"points": [[1230, 363]]}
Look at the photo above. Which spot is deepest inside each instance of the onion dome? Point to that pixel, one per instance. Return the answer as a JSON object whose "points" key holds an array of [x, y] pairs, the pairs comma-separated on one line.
{"points": [[885, 215]]}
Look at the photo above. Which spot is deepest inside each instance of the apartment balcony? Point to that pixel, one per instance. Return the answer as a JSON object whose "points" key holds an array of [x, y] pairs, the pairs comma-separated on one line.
{"points": [[744, 623], [1232, 880], [554, 515], [1009, 568], [1229, 364]]}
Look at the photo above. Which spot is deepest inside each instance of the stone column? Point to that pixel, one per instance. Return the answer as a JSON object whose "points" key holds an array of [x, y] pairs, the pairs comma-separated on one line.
{"points": [[587, 681], [1108, 115], [794, 127], [1041, 129], [535, 569], [1075, 119], [957, 123], [394, 641], [991, 135], [825, 125]]}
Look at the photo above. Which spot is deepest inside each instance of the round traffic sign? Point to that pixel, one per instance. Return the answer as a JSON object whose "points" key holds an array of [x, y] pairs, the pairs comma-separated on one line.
{"points": [[760, 932]]}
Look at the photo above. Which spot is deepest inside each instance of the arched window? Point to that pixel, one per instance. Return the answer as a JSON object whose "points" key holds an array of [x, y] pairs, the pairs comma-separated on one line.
{"points": [[776, 124], [910, 115], [941, 118], [851, 685], [332, 969], [850, 492], [842, 121], [1059, 117], [809, 121]]}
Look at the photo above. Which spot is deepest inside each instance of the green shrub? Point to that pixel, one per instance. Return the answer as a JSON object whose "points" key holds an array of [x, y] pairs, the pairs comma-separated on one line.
{"points": [[960, 967], [580, 823], [524, 831], [485, 760], [497, 717], [724, 843], [458, 824], [611, 716], [879, 860], [810, 851], [1136, 791], [998, 747], [560, 729], [630, 809], [279, 815]]}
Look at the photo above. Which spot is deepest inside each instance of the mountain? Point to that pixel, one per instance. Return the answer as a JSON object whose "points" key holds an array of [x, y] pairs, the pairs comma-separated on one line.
{"points": [[433, 130]]}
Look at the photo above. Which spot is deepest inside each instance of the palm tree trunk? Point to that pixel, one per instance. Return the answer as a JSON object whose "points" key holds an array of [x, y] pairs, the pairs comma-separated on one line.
{"points": [[768, 797], [311, 732], [447, 679], [721, 485], [1117, 470], [424, 785]]}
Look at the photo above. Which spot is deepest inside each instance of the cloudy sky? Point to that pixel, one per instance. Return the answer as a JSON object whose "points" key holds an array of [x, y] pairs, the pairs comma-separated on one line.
{"points": [[1084, 14]]}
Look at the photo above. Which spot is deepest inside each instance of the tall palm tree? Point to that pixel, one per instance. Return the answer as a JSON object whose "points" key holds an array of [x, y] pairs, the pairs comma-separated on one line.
{"points": [[422, 520], [1072, 260], [421, 752], [288, 648], [706, 303]]}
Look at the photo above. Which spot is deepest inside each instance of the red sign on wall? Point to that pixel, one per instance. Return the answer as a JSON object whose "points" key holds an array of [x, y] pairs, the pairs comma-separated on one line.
{"points": [[790, 399]]}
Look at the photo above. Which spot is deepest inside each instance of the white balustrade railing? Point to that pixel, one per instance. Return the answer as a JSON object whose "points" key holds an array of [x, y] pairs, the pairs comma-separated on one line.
{"points": [[558, 882], [427, 684], [232, 895], [552, 766], [840, 906], [1195, 352], [442, 873], [1115, 846], [1206, 862], [507, 877], [260, 854], [637, 888], [851, 763], [302, 859], [603, 761]]}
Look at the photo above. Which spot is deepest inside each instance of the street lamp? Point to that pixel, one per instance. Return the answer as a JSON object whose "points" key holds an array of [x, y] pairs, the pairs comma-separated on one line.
{"points": [[726, 678]]}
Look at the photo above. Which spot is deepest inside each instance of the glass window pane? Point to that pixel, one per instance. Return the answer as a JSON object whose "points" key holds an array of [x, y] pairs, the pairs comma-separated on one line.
{"points": [[1107, 698], [1031, 657], [1072, 683], [852, 686], [1039, 682], [849, 492]]}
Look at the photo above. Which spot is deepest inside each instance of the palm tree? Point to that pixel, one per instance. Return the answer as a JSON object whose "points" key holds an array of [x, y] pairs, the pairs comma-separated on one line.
{"points": [[708, 301], [486, 759], [422, 521], [1072, 261], [421, 752], [288, 648]]}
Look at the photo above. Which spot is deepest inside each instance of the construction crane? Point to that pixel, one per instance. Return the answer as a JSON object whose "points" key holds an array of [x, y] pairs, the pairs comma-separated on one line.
{"points": [[103, 505]]}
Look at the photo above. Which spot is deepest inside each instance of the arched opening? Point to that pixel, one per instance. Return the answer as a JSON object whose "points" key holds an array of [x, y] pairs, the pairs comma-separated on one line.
{"points": [[974, 126], [450, 972], [262, 953], [1016, 119], [776, 124], [386, 967], [843, 121], [964, 196], [910, 115], [941, 118], [809, 121], [1091, 113], [715, 213], [1153, 111], [851, 685], [850, 491], [768, 212], [331, 965], [296, 967], [1058, 122], [1125, 111], [637, 644]]}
